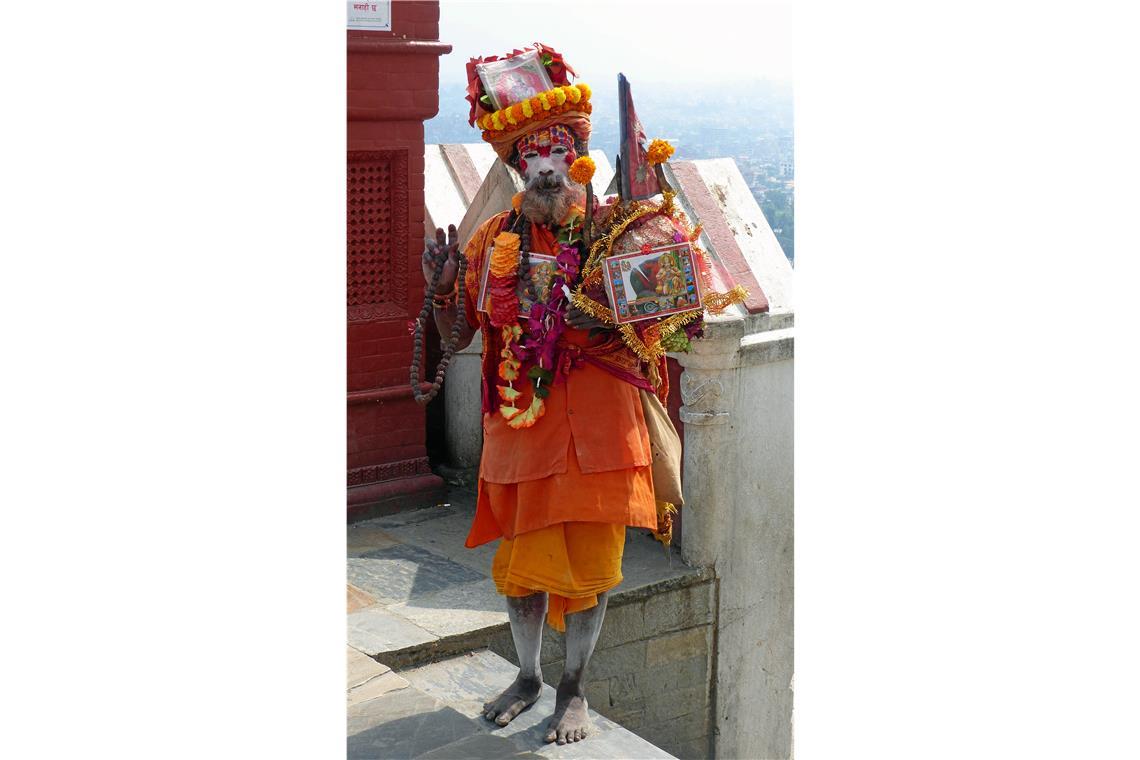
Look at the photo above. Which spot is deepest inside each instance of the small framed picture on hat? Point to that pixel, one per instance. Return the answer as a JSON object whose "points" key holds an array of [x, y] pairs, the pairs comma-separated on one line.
{"points": [[515, 79], [652, 283]]}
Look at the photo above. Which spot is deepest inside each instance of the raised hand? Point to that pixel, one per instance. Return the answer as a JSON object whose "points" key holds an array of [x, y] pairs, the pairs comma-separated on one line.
{"points": [[433, 250]]}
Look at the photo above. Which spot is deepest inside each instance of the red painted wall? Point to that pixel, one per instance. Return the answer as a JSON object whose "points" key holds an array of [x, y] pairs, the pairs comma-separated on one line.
{"points": [[393, 86]]}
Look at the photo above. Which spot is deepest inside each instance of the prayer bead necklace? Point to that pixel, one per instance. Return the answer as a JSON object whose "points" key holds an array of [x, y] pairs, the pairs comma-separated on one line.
{"points": [[423, 398]]}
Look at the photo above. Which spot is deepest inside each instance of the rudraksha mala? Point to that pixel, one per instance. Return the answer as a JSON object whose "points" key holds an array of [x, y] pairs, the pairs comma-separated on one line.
{"points": [[449, 343]]}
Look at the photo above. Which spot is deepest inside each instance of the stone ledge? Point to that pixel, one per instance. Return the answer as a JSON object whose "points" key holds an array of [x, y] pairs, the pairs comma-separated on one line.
{"points": [[433, 596], [763, 348]]}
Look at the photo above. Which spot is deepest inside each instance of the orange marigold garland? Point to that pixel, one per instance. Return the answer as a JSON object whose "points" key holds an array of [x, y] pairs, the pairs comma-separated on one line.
{"points": [[501, 279]]}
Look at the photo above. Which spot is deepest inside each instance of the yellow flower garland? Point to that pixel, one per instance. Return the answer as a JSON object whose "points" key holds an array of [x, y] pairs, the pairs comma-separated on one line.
{"points": [[518, 114]]}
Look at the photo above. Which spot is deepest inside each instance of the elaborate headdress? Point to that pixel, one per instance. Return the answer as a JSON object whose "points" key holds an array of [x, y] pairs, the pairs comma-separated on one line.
{"points": [[523, 92]]}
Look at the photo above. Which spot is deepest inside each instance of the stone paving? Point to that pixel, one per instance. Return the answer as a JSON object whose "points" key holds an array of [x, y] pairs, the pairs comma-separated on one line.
{"points": [[415, 591], [421, 602], [434, 711]]}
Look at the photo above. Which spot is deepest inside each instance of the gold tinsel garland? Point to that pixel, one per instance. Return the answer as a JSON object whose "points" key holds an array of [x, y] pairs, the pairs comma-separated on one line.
{"points": [[648, 345]]}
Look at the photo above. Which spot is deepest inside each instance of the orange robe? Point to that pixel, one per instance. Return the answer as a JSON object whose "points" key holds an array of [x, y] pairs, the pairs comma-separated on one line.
{"points": [[560, 493]]}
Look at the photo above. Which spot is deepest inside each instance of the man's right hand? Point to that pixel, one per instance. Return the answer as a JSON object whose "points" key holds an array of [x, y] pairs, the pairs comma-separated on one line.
{"points": [[432, 252]]}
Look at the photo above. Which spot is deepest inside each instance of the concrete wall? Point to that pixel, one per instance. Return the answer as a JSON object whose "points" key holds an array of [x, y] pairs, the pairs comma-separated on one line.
{"points": [[653, 668], [738, 392]]}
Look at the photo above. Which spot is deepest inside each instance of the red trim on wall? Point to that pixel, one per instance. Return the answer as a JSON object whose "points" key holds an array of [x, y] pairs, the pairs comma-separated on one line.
{"points": [[709, 213]]}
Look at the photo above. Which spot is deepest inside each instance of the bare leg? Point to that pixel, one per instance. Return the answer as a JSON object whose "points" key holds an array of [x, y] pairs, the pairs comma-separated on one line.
{"points": [[571, 722], [527, 614]]}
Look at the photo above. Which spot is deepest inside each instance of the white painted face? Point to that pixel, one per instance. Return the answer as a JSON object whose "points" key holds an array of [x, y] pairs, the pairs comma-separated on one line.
{"points": [[545, 165]]}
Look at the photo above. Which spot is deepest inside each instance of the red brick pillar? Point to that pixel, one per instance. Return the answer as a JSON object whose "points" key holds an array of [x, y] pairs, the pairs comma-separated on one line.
{"points": [[393, 86]]}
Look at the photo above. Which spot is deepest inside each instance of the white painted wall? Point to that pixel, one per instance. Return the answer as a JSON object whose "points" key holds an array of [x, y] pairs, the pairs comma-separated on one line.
{"points": [[737, 389]]}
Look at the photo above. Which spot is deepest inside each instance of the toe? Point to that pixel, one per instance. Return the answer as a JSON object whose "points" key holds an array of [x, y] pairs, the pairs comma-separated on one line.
{"points": [[561, 737], [511, 712], [550, 736]]}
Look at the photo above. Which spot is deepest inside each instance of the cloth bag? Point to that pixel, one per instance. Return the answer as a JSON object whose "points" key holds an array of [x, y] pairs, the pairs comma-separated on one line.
{"points": [[665, 444]]}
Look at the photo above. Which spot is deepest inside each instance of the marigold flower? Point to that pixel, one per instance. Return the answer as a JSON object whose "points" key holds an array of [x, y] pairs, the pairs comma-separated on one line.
{"points": [[544, 100], [659, 152], [582, 170], [586, 91], [573, 93], [559, 96], [510, 115], [526, 109], [496, 121], [505, 254]]}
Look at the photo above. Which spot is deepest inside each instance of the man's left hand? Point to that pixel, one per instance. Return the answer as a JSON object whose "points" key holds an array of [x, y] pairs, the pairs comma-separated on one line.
{"points": [[580, 320]]}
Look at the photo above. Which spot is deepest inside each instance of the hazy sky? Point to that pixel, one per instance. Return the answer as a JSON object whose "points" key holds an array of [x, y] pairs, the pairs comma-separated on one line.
{"points": [[688, 42]]}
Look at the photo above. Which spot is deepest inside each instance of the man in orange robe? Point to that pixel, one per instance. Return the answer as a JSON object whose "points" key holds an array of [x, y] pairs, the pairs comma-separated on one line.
{"points": [[558, 484]]}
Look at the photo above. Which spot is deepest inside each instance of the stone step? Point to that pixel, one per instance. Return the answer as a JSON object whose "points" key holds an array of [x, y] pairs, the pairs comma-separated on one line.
{"points": [[435, 711], [416, 593]]}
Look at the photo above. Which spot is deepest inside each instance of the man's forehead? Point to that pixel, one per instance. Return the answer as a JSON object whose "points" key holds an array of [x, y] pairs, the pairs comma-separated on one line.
{"points": [[546, 138]]}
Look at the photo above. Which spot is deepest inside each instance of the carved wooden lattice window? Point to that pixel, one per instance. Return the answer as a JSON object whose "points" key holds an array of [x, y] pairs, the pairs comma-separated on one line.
{"points": [[377, 234]]}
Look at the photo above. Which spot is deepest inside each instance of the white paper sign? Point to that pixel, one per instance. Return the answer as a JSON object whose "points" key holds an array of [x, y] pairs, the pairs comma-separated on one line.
{"points": [[375, 15]]}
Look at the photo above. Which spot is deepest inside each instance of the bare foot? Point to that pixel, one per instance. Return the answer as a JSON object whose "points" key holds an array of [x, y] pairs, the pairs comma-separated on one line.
{"points": [[517, 697], [570, 722]]}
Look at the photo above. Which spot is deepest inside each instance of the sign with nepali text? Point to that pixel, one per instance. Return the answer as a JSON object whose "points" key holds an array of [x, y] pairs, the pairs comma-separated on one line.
{"points": [[375, 16]]}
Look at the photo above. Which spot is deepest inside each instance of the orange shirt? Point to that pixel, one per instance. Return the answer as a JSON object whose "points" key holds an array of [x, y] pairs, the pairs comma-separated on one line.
{"points": [[592, 409]]}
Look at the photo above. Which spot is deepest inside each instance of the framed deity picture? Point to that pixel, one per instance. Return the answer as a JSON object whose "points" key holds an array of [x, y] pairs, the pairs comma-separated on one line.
{"points": [[654, 283], [542, 269], [514, 80]]}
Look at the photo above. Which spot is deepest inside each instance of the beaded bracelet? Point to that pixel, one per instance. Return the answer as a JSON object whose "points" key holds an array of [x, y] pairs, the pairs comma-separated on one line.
{"points": [[447, 299]]}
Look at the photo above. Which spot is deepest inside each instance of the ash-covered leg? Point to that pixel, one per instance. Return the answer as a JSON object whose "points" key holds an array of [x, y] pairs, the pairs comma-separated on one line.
{"points": [[527, 614], [571, 722]]}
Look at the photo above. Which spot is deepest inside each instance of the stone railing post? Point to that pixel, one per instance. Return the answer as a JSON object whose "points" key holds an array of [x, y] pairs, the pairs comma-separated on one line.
{"points": [[708, 389], [737, 394]]}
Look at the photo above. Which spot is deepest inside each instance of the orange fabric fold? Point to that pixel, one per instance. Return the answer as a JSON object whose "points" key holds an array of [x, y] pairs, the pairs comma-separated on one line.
{"points": [[623, 497], [571, 562]]}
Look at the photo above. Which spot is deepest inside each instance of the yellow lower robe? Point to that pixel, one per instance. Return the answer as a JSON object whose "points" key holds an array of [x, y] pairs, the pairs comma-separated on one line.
{"points": [[573, 562]]}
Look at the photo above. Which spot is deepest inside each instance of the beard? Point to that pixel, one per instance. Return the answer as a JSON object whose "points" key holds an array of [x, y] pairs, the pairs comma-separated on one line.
{"points": [[547, 201]]}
